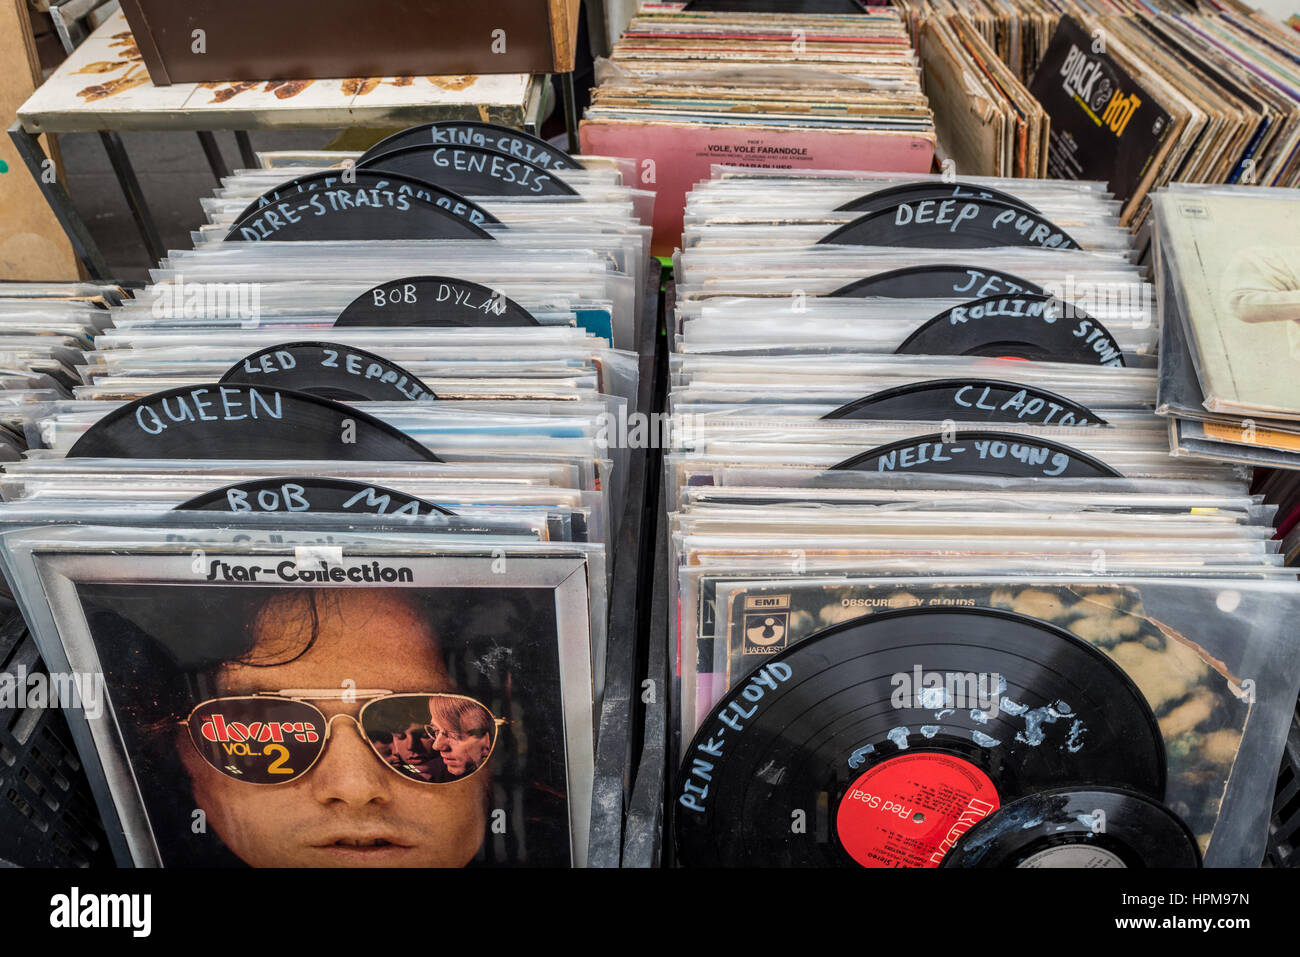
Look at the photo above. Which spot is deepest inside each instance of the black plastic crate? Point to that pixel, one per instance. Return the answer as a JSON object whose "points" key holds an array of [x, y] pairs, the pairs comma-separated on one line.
{"points": [[1284, 826], [47, 811]]}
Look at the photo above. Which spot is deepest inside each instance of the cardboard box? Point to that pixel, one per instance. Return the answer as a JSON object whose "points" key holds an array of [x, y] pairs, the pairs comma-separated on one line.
{"points": [[200, 41]]}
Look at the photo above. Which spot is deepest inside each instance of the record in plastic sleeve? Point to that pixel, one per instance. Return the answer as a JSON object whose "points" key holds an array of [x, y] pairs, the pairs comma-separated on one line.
{"points": [[952, 224], [978, 452], [307, 494], [434, 301], [942, 282], [1094, 828], [916, 192], [471, 171], [1042, 328], [330, 370], [880, 741], [370, 180], [969, 400], [513, 142], [378, 210], [244, 422]]}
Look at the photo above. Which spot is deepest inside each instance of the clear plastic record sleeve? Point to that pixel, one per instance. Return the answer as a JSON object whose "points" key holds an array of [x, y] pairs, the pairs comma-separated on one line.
{"points": [[1222, 693], [350, 700]]}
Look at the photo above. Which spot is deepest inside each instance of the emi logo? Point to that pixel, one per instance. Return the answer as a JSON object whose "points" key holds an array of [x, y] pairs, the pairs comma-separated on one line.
{"points": [[766, 632]]}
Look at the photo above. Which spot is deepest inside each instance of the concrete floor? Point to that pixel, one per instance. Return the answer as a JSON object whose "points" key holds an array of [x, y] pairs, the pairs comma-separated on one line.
{"points": [[173, 174]]}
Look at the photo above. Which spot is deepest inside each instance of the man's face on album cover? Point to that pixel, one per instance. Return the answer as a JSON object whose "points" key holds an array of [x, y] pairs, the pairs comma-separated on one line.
{"points": [[348, 809]]}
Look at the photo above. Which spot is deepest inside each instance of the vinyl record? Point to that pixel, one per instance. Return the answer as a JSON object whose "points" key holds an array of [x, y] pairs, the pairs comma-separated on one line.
{"points": [[357, 212], [937, 282], [311, 494], [979, 452], [475, 133], [968, 400], [471, 170], [952, 224], [1041, 328], [433, 301], [244, 422], [1093, 828], [879, 741], [369, 180], [917, 192], [330, 370]]}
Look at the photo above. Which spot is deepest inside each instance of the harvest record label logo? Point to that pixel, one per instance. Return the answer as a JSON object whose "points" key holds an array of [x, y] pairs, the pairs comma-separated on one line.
{"points": [[767, 624], [734, 717]]}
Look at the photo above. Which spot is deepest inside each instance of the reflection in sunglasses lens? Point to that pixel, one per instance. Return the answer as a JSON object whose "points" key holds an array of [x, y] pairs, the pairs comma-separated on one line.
{"points": [[436, 738]]}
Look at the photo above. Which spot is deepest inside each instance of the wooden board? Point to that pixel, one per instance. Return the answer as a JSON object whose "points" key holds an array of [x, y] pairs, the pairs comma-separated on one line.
{"points": [[32, 244], [104, 86]]}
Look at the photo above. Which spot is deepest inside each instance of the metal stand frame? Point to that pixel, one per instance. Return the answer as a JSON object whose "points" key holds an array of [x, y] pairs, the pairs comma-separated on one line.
{"points": [[213, 152], [570, 95], [247, 155]]}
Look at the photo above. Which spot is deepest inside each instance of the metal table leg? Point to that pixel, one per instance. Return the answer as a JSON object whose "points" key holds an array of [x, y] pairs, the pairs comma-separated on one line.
{"points": [[570, 110], [246, 154], [213, 152], [153, 243], [60, 203]]}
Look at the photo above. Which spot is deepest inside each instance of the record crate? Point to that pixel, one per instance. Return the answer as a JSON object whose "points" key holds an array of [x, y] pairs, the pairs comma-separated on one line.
{"points": [[48, 815], [47, 812]]}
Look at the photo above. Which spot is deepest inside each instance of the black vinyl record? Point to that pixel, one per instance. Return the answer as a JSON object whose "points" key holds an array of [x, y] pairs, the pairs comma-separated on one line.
{"points": [[433, 301], [375, 206], [916, 192], [879, 741], [311, 494], [244, 422], [1093, 828], [471, 170], [972, 223], [330, 370], [513, 142], [979, 452], [1042, 328], [401, 185], [938, 282], [969, 400]]}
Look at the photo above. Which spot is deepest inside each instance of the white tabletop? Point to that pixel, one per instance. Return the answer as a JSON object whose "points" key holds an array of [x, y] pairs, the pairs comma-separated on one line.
{"points": [[103, 85]]}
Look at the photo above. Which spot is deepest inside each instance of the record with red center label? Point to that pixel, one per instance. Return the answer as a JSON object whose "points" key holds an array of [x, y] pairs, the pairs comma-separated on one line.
{"points": [[881, 741]]}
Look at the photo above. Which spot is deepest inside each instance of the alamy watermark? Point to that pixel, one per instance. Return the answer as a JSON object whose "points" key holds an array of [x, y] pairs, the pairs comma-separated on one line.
{"points": [[21, 689], [947, 690]]}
